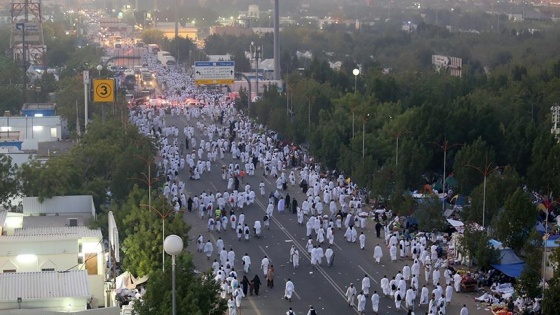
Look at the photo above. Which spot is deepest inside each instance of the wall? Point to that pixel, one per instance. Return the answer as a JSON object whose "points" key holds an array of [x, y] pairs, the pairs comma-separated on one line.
{"points": [[43, 129], [99, 311], [53, 304]]}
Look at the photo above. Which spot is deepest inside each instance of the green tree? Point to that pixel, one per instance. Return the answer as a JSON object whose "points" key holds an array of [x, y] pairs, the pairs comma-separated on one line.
{"points": [[531, 276], [197, 294], [499, 186], [472, 163], [429, 215], [9, 186], [143, 245], [514, 224], [476, 245], [152, 36], [551, 301]]}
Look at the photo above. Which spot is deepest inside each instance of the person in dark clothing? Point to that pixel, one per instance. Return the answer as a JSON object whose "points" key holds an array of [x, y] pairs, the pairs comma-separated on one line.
{"points": [[236, 183], [378, 228], [304, 186], [245, 284], [186, 143], [189, 204], [288, 202], [294, 205], [256, 284]]}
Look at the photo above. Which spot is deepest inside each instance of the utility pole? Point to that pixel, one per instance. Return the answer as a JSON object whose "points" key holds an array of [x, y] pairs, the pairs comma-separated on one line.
{"points": [[445, 146]]}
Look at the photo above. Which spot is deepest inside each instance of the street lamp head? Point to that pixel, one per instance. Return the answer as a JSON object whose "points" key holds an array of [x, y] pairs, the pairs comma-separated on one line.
{"points": [[173, 245], [99, 67], [356, 72]]}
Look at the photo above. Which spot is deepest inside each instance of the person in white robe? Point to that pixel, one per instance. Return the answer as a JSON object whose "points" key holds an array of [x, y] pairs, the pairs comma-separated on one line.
{"points": [[246, 261], [257, 227], [200, 243], [329, 255], [354, 233], [393, 253], [292, 249], [208, 249], [348, 235], [406, 272], [321, 236], [435, 276], [361, 303], [232, 306], [398, 300], [415, 269], [330, 235], [424, 296], [375, 302], [309, 245], [247, 232], [289, 290], [448, 294], [350, 294], [264, 265], [295, 259], [385, 286], [366, 284], [457, 282], [377, 253], [309, 226], [410, 296], [299, 216], [238, 294], [442, 306], [447, 276], [362, 239], [414, 282], [427, 272], [314, 256], [464, 310], [320, 255]]}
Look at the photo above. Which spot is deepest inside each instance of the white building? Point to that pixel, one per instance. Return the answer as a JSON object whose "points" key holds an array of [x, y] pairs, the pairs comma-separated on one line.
{"points": [[53, 236], [50, 290], [32, 130]]}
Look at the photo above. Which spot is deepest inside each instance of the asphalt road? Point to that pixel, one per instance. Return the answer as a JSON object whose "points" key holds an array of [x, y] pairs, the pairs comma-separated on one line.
{"points": [[322, 287]]}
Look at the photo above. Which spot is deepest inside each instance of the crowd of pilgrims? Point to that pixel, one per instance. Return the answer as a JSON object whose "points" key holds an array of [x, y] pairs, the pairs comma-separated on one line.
{"points": [[331, 202]]}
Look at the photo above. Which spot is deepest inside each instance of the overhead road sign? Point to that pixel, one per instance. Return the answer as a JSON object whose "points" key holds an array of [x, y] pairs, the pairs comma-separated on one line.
{"points": [[103, 90], [210, 72]]}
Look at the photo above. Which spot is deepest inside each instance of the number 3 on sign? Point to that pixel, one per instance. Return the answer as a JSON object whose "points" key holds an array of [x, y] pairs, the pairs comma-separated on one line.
{"points": [[103, 90]]}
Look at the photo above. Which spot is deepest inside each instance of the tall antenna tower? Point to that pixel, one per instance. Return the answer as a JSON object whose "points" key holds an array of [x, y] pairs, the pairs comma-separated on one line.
{"points": [[27, 41]]}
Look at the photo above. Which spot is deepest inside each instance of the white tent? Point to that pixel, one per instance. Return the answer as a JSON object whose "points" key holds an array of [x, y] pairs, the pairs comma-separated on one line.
{"points": [[458, 225]]}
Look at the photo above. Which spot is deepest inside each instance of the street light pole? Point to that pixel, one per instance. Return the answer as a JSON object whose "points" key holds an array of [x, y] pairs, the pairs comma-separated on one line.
{"points": [[364, 136], [486, 171], [173, 246], [445, 146], [355, 72]]}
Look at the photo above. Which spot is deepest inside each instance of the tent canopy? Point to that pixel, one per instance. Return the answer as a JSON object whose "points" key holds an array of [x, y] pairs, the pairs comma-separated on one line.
{"points": [[510, 264]]}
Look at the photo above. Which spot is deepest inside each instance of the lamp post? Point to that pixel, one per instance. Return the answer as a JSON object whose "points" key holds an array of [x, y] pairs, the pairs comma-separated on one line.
{"points": [[173, 246], [255, 54], [355, 72], [99, 68], [397, 135], [364, 136], [486, 170], [445, 146]]}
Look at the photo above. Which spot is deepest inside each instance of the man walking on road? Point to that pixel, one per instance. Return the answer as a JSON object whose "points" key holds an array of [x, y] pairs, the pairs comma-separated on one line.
{"points": [[350, 294], [289, 290]]}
